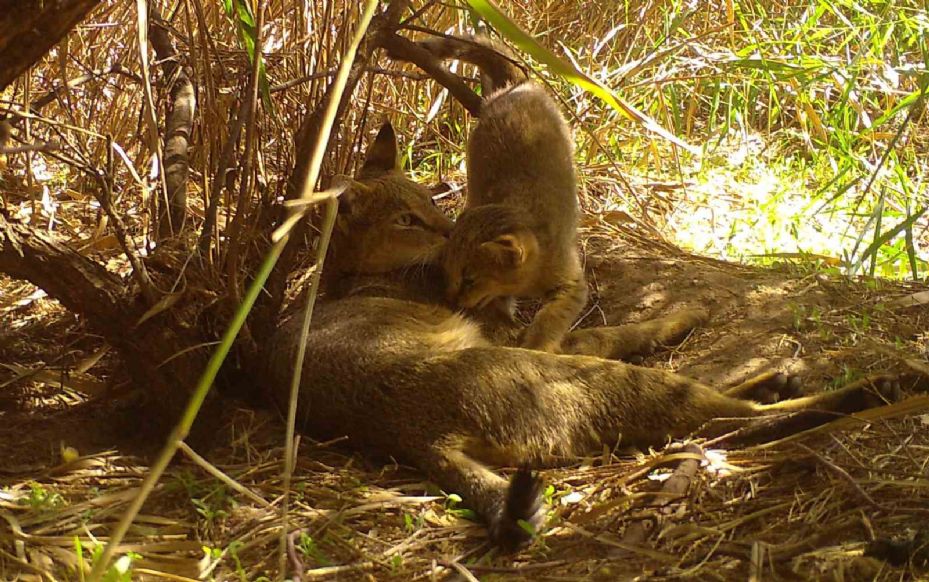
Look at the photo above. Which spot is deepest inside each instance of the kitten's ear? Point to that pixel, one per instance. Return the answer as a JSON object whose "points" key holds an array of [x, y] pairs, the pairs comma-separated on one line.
{"points": [[507, 249], [382, 153]]}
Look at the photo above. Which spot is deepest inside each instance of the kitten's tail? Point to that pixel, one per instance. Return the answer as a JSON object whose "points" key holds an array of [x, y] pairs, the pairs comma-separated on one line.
{"points": [[498, 68]]}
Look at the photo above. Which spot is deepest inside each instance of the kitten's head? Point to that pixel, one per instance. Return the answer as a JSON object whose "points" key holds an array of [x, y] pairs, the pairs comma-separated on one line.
{"points": [[492, 252]]}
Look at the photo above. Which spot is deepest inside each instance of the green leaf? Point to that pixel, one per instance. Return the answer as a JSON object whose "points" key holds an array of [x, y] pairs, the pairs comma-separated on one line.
{"points": [[510, 30], [904, 103], [464, 514], [526, 527], [246, 26]]}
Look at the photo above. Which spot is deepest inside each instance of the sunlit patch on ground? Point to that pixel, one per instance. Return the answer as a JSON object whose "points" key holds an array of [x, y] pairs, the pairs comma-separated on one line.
{"points": [[749, 202]]}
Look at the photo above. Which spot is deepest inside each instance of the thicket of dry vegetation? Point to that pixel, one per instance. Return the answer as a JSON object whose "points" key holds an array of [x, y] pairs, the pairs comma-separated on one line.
{"points": [[141, 188]]}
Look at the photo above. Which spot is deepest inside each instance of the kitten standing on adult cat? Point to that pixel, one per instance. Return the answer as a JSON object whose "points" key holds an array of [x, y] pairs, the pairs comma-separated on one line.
{"points": [[517, 236]]}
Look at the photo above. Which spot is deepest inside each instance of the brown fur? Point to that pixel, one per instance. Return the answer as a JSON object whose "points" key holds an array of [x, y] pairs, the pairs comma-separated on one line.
{"points": [[517, 236], [401, 374]]}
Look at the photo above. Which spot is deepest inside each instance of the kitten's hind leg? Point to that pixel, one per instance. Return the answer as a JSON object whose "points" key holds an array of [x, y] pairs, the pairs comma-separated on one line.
{"points": [[806, 412], [767, 388], [635, 340]]}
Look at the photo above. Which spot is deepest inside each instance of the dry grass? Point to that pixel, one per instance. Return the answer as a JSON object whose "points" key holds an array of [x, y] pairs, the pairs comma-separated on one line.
{"points": [[806, 508]]}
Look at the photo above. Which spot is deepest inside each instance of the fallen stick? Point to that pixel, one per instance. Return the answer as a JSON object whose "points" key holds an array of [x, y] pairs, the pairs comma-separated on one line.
{"points": [[675, 487]]}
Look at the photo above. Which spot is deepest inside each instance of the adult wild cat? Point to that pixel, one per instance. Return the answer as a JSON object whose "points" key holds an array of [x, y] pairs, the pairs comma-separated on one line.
{"points": [[402, 375]]}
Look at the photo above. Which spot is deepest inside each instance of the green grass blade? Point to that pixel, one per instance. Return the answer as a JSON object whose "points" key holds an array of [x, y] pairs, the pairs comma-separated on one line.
{"points": [[190, 413], [879, 241], [332, 207], [512, 32], [911, 252], [904, 103]]}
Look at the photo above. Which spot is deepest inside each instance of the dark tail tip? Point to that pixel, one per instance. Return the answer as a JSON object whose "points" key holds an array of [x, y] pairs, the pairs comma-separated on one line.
{"points": [[522, 512]]}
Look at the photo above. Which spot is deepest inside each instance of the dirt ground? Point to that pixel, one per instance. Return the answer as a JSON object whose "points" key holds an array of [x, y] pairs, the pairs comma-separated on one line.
{"points": [[806, 508]]}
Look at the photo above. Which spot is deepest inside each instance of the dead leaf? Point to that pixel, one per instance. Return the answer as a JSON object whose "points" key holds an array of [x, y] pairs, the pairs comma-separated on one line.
{"points": [[165, 303], [104, 243], [75, 195], [919, 298]]}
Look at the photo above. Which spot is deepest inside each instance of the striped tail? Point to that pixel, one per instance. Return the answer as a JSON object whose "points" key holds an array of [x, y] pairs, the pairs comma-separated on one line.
{"points": [[497, 66]]}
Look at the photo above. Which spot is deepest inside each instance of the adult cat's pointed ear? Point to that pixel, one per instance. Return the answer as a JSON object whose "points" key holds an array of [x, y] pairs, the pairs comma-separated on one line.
{"points": [[382, 153]]}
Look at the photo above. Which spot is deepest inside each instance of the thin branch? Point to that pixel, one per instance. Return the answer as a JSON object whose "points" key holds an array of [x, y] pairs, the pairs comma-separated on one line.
{"points": [[81, 285], [402, 49], [178, 127], [105, 198], [373, 70], [58, 90], [216, 472], [841, 473]]}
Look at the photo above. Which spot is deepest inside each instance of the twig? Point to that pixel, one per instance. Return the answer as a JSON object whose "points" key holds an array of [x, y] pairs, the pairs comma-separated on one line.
{"points": [[295, 561], [55, 92], [35, 147], [612, 542], [841, 473], [673, 488], [463, 571], [375, 70], [22, 563], [217, 184], [756, 564], [511, 569], [334, 571], [229, 481], [149, 110], [235, 230], [419, 12], [774, 553], [105, 198]]}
